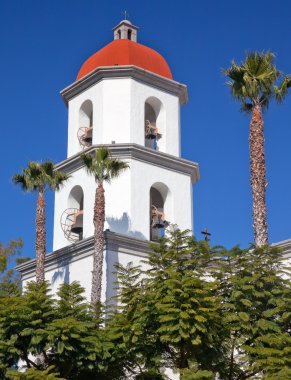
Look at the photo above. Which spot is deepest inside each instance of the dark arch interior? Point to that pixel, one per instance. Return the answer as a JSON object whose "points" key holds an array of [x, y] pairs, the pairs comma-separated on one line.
{"points": [[156, 200], [150, 115], [76, 201]]}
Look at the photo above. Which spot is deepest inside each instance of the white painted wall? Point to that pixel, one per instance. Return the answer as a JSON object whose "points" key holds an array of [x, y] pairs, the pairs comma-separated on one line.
{"points": [[95, 94], [128, 201], [118, 114], [117, 196], [177, 207], [81, 271], [170, 141]]}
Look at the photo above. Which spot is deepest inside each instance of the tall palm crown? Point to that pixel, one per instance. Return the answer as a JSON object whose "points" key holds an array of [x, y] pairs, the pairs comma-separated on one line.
{"points": [[104, 168], [38, 177], [254, 83]]}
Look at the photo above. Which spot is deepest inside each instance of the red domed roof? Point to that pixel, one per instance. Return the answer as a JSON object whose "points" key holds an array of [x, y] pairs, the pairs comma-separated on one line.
{"points": [[126, 52]]}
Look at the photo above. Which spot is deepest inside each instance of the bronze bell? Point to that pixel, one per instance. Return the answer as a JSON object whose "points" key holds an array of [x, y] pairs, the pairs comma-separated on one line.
{"points": [[87, 137], [158, 218], [151, 131], [77, 226]]}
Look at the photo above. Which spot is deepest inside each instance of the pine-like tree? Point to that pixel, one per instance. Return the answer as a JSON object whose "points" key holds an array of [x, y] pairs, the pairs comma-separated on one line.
{"points": [[43, 336], [256, 294], [170, 313]]}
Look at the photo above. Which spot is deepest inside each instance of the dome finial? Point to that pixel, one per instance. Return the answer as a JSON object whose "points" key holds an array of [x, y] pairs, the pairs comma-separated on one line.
{"points": [[126, 15], [125, 30]]}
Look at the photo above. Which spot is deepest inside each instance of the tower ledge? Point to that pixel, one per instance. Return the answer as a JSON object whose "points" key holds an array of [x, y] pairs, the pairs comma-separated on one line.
{"points": [[134, 72], [135, 151], [114, 242]]}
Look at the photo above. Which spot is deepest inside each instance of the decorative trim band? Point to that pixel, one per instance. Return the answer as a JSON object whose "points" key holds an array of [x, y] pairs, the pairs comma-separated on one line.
{"points": [[137, 152], [285, 245], [134, 72], [84, 248]]}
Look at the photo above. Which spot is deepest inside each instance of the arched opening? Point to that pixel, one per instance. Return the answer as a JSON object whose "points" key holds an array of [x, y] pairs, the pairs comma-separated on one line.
{"points": [[154, 123], [72, 217], [85, 130], [129, 33], [158, 218], [119, 34]]}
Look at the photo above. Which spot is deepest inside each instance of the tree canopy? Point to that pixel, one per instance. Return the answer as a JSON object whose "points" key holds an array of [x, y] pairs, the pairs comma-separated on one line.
{"points": [[40, 176], [201, 311], [256, 80], [103, 166]]}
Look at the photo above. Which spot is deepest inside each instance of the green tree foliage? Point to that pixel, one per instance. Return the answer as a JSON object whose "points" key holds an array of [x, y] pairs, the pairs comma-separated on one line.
{"points": [[205, 312], [33, 374], [14, 247], [170, 313], [39, 177], [256, 291], [104, 168], [9, 279], [43, 332], [254, 83]]}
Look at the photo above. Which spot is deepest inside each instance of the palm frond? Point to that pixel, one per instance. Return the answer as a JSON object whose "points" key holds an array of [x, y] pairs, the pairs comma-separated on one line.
{"points": [[30, 179], [254, 80], [39, 177], [102, 154], [246, 107], [48, 168], [87, 160], [58, 179], [20, 179], [281, 91], [115, 167], [264, 101], [102, 166]]}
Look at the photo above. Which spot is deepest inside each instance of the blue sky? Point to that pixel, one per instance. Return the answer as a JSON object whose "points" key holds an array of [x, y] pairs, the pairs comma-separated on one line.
{"points": [[43, 45]]}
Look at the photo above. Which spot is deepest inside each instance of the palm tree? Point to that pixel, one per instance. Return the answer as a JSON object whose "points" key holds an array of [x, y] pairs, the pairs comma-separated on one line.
{"points": [[38, 177], [104, 168], [253, 83]]}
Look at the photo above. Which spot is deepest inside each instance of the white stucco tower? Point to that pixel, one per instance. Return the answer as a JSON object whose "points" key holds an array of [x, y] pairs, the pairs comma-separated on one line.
{"points": [[124, 98]]}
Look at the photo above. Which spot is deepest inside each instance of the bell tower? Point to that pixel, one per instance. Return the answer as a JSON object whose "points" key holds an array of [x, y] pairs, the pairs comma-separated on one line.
{"points": [[125, 30], [126, 99]]}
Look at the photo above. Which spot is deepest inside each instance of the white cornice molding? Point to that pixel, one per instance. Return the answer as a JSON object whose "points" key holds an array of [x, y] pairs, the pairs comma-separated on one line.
{"points": [[137, 152], [126, 22], [113, 242], [134, 72], [285, 245]]}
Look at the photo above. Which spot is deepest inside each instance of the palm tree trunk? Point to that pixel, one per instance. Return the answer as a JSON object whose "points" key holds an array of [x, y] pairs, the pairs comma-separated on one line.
{"points": [[99, 219], [40, 241], [258, 177]]}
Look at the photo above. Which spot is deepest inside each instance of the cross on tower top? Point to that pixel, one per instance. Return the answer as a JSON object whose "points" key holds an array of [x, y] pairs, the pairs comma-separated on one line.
{"points": [[206, 234], [126, 15]]}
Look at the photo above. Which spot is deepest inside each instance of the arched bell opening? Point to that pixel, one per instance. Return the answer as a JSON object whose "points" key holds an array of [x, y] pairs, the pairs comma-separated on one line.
{"points": [[153, 121], [158, 217], [72, 217], [129, 34], [85, 131]]}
